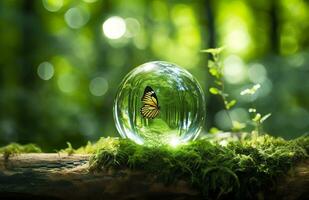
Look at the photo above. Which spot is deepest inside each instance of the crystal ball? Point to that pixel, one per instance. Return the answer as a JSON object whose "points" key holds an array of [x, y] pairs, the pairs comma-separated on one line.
{"points": [[159, 103]]}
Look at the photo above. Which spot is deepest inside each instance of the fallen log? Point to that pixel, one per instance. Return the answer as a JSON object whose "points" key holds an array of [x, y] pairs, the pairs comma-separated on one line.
{"points": [[60, 176], [53, 176]]}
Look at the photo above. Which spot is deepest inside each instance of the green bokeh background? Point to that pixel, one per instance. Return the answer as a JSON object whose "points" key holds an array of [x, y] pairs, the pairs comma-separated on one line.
{"points": [[60, 67]]}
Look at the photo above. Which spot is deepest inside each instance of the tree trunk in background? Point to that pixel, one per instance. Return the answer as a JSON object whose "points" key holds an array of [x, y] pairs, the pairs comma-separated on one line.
{"points": [[210, 21], [26, 69], [209, 37], [28, 45], [274, 27]]}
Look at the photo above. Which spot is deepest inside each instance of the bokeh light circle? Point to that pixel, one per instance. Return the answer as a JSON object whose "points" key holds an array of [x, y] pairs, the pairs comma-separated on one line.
{"points": [[52, 5], [76, 17], [98, 86], [114, 27], [45, 71]]}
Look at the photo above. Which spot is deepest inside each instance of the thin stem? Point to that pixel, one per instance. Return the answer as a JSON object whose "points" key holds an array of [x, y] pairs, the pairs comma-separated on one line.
{"points": [[258, 127], [216, 60], [224, 102]]}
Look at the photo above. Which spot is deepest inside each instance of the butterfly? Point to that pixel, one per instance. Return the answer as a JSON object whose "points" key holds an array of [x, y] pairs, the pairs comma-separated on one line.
{"points": [[151, 107]]}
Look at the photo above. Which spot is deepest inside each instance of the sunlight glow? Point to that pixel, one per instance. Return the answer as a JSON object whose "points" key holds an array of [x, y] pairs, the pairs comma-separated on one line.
{"points": [[238, 40], [114, 27], [149, 66], [234, 69], [174, 142], [223, 143]]}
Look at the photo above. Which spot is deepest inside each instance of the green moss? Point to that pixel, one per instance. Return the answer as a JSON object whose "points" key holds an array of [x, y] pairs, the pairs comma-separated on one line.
{"points": [[239, 170], [15, 148], [90, 148]]}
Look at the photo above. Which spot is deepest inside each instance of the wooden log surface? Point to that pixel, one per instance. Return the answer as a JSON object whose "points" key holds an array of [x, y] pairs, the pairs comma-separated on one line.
{"points": [[59, 176], [53, 176]]}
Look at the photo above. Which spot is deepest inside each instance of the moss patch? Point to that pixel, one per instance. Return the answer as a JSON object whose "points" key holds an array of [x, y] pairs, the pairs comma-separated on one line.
{"points": [[239, 170], [90, 148], [15, 148]]}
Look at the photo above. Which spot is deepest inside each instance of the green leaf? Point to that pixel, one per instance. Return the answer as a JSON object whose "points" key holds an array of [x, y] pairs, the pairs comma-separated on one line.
{"points": [[213, 90], [214, 130], [252, 110], [230, 104], [213, 51], [250, 91], [238, 125], [257, 117], [211, 64], [214, 72], [265, 117], [218, 82], [225, 95]]}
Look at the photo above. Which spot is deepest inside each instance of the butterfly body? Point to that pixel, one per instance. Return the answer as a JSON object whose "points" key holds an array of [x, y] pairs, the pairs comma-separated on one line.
{"points": [[150, 108]]}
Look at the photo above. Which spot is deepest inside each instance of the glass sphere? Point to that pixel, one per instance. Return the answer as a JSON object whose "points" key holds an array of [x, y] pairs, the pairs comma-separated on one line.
{"points": [[159, 103]]}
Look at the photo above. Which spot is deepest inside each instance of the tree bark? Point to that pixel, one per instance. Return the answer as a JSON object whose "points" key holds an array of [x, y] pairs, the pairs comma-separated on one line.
{"points": [[59, 176], [53, 176]]}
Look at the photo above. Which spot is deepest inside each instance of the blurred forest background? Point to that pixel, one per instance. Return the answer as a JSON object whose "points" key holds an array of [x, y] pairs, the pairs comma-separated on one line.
{"points": [[62, 61]]}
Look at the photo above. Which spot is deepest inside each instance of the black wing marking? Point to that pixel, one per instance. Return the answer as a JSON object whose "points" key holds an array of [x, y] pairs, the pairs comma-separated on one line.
{"points": [[153, 94]]}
